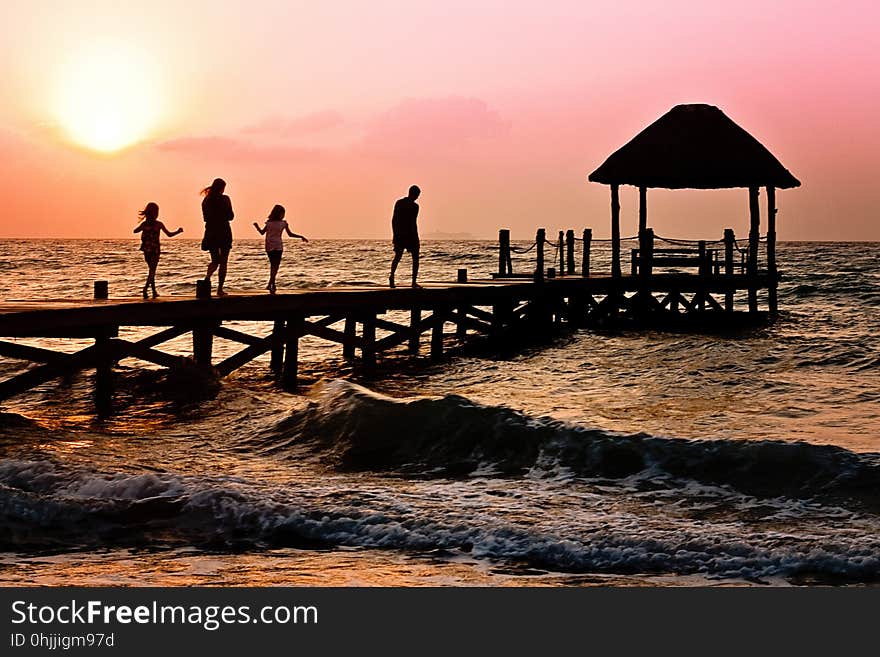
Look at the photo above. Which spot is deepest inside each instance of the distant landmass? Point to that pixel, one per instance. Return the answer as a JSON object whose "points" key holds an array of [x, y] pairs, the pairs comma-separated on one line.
{"points": [[437, 235]]}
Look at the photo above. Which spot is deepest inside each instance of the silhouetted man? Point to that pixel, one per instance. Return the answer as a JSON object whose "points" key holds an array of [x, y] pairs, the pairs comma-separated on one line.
{"points": [[406, 233]]}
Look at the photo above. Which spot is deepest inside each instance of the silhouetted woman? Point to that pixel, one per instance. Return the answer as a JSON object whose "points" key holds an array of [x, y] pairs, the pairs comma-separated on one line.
{"points": [[149, 229], [217, 212]]}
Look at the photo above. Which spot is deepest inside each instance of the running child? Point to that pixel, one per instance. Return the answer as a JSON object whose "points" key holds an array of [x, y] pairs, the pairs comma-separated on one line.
{"points": [[149, 229], [274, 230]]}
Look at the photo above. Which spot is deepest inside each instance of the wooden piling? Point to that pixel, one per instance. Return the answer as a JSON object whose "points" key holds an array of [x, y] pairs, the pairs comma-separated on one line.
{"points": [[540, 239], [368, 349], [585, 261], [350, 332], [277, 360], [293, 332], [615, 231], [569, 244], [203, 289], [103, 393], [754, 236], [437, 333], [773, 284], [203, 344], [102, 289], [561, 250], [703, 271], [643, 209], [415, 321], [504, 267], [729, 243]]}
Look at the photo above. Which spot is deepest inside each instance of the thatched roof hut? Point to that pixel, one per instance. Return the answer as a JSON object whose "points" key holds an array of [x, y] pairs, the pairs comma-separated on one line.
{"points": [[696, 147]]}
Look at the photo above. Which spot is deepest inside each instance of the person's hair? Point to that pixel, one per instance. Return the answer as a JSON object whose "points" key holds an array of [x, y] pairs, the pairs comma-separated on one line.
{"points": [[414, 190], [277, 213], [150, 211], [215, 187]]}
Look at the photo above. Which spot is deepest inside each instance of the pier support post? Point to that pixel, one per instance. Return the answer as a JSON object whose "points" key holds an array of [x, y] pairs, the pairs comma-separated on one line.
{"points": [[292, 334], [754, 235], [569, 245], [646, 268], [203, 344], [540, 239], [368, 350], [643, 209], [277, 360], [350, 335], [585, 262], [729, 241], [615, 231], [437, 333], [415, 320], [104, 373], [771, 250], [504, 265], [704, 273]]}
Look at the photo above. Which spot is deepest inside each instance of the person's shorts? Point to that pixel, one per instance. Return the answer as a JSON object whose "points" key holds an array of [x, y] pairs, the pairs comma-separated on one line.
{"points": [[218, 254], [412, 247], [275, 256]]}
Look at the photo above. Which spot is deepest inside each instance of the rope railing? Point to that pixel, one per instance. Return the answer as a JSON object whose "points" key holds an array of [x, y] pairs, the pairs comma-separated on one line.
{"points": [[524, 250]]}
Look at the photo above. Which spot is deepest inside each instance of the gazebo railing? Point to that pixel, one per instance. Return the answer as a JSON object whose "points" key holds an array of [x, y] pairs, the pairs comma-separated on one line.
{"points": [[720, 257]]}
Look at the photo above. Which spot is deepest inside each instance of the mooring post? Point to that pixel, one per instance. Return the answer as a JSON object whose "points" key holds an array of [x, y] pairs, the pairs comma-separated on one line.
{"points": [[415, 320], [569, 243], [102, 289], [350, 332], [293, 332], [368, 348], [437, 332], [203, 289], [771, 251], [729, 241], [561, 248], [585, 262], [754, 236], [277, 361], [540, 238], [503, 252]]}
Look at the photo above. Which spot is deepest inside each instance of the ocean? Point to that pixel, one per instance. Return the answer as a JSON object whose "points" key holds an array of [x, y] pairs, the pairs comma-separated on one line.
{"points": [[749, 457]]}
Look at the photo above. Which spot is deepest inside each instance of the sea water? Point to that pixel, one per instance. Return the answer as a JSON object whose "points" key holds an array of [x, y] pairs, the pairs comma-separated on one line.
{"points": [[630, 457]]}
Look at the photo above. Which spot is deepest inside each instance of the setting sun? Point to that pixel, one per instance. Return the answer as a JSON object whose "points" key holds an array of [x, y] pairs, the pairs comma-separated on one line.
{"points": [[109, 96]]}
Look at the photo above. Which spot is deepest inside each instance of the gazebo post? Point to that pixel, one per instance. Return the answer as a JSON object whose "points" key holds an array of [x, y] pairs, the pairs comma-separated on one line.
{"points": [[754, 236], [615, 231], [771, 249], [643, 209]]}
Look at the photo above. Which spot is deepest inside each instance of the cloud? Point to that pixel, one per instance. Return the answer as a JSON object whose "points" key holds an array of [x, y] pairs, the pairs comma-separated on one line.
{"points": [[228, 148], [299, 126], [435, 126]]}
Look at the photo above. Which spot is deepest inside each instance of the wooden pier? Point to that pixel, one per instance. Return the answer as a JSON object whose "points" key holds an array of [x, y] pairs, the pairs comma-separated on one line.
{"points": [[356, 318], [668, 281]]}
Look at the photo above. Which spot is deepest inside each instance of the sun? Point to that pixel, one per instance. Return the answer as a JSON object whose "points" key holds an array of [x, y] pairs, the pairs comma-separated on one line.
{"points": [[109, 96]]}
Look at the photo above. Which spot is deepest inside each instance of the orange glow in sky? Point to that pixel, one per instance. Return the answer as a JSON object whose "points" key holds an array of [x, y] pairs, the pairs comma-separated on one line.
{"points": [[497, 109]]}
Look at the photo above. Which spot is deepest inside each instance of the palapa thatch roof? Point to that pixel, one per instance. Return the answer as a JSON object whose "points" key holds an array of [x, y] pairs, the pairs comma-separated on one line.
{"points": [[696, 147]]}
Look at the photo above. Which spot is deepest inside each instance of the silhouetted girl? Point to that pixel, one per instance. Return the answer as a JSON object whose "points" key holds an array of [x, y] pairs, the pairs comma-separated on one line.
{"points": [[274, 231], [149, 229], [217, 212]]}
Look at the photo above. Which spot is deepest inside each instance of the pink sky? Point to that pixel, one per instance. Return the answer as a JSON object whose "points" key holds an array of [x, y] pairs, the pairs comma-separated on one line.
{"points": [[498, 110]]}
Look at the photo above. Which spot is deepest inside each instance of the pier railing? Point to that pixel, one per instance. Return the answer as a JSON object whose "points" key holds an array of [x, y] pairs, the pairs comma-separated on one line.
{"points": [[720, 257]]}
